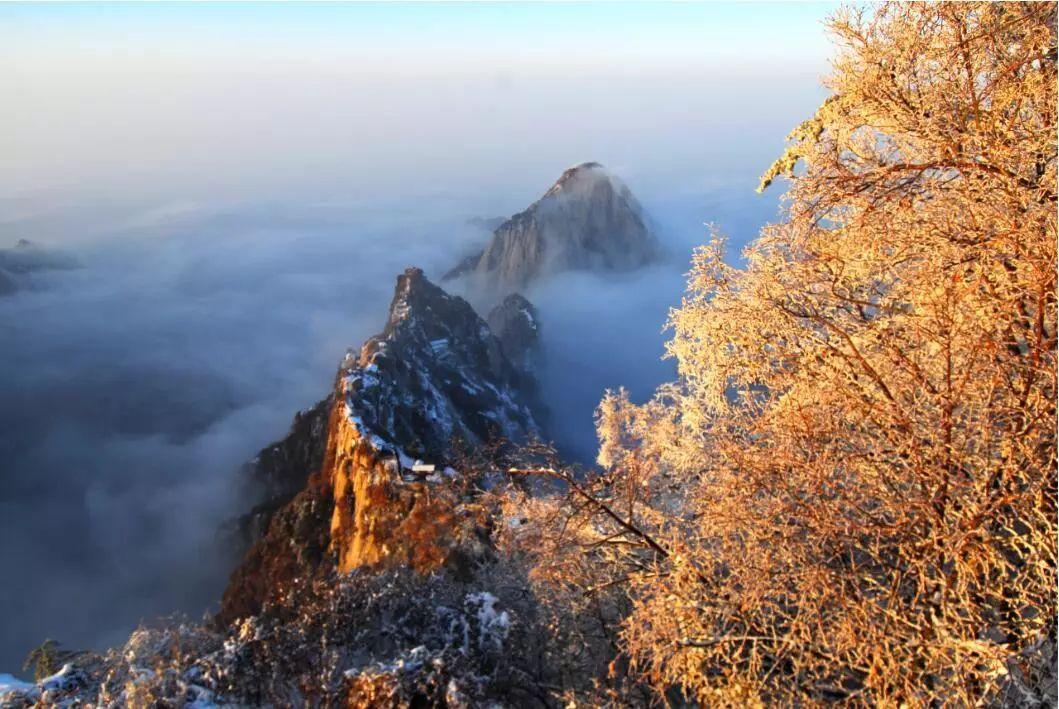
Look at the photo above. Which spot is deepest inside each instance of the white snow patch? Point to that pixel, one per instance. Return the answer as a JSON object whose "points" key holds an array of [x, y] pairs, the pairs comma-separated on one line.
{"points": [[414, 659], [493, 627]]}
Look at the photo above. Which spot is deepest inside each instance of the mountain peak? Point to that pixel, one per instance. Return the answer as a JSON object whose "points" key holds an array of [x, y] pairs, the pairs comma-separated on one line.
{"points": [[413, 293], [588, 220], [421, 311], [580, 180], [381, 490], [434, 349], [581, 169]]}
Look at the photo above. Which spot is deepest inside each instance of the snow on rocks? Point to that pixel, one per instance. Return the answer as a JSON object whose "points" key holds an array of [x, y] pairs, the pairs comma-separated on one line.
{"points": [[435, 373], [493, 626]]}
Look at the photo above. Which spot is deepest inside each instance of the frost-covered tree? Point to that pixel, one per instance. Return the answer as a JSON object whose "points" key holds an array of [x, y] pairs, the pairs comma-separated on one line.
{"points": [[862, 439]]}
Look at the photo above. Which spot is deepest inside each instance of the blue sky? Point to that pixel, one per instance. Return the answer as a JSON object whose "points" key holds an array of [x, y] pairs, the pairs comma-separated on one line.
{"points": [[383, 23]]}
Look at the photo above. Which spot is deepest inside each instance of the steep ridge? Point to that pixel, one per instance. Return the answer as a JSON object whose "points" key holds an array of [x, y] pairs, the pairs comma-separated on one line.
{"points": [[279, 472], [385, 493], [587, 220]]}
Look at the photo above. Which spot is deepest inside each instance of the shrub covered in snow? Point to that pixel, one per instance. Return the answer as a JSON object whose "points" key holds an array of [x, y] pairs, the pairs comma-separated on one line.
{"points": [[377, 639]]}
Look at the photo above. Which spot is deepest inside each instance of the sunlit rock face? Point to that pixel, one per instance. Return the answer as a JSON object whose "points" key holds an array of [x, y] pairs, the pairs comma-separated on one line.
{"points": [[388, 490], [587, 221], [387, 515]]}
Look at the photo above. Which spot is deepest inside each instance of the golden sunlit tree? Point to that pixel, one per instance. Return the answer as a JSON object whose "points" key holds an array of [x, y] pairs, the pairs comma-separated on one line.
{"points": [[851, 488]]}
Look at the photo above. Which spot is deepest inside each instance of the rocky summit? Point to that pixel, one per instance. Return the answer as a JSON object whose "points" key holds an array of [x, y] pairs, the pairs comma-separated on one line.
{"points": [[367, 476], [587, 221]]}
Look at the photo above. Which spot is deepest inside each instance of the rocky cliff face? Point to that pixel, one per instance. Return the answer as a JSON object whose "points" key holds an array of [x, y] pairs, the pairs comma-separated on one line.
{"points": [[378, 483], [587, 220], [515, 323], [280, 470], [436, 372]]}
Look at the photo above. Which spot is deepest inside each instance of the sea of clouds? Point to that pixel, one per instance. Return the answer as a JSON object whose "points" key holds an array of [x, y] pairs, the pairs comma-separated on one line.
{"points": [[133, 388]]}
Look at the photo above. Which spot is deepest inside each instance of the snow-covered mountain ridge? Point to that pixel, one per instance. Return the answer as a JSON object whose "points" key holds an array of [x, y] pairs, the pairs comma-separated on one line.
{"points": [[434, 385]]}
